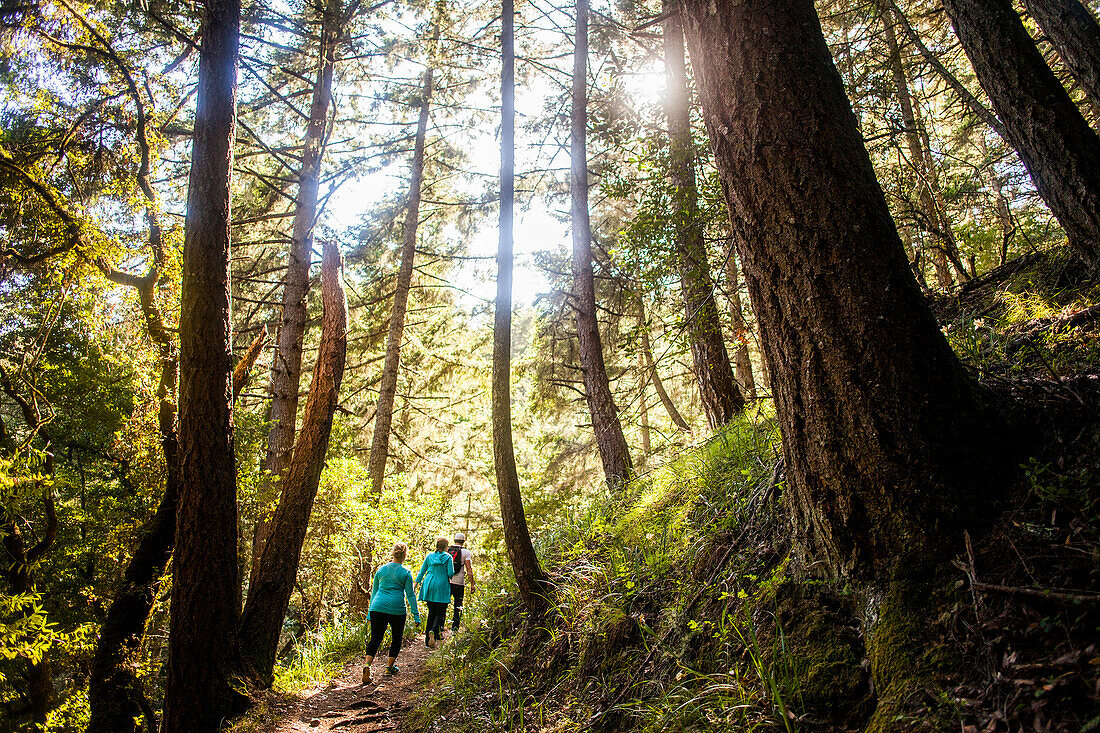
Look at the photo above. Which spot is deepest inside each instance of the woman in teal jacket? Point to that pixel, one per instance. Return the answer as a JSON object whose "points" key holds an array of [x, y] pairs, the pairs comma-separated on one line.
{"points": [[435, 588], [393, 585]]}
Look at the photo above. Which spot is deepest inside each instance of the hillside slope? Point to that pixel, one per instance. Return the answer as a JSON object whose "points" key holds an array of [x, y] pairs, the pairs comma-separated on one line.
{"points": [[678, 607]]}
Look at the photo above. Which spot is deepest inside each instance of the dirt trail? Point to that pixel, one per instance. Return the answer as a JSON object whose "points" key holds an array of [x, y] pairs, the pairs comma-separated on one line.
{"points": [[347, 706]]}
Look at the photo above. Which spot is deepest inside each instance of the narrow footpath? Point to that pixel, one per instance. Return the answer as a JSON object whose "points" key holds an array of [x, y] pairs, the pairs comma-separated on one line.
{"points": [[350, 707]]}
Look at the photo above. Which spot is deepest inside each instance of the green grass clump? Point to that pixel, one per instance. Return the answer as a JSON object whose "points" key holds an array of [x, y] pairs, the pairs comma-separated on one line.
{"points": [[319, 655]]}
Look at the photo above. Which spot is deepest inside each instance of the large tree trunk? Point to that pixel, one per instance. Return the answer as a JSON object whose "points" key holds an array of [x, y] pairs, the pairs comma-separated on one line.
{"points": [[525, 563], [722, 401], [262, 619], [387, 390], [933, 219], [741, 360], [286, 365], [883, 430], [1055, 143], [614, 452], [206, 597], [890, 449], [1075, 35]]}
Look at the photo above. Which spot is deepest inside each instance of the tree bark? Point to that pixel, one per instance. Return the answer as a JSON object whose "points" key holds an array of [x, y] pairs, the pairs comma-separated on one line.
{"points": [[741, 360], [1055, 143], [205, 603], [262, 619], [722, 400], [614, 452], [1075, 35], [655, 376], [286, 364], [387, 390], [525, 563], [886, 440]]}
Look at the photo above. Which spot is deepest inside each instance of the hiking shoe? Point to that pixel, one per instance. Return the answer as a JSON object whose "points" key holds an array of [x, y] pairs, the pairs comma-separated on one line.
{"points": [[367, 676], [393, 670]]}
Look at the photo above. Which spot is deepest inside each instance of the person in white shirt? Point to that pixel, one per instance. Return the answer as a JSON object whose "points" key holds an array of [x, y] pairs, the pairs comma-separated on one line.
{"points": [[464, 575]]}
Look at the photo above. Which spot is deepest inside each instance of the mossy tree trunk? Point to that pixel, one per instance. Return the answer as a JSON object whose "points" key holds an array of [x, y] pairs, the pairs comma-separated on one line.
{"points": [[884, 434]]}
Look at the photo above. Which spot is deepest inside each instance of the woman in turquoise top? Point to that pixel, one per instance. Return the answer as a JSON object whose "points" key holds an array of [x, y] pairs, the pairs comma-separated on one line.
{"points": [[393, 585], [435, 588]]}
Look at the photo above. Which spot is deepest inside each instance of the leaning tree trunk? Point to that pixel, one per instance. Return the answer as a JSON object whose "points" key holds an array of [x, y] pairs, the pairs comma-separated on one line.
{"points": [[614, 452], [655, 376], [1055, 143], [722, 400], [889, 447], [525, 563], [1073, 31], [387, 390], [262, 619], [206, 599], [286, 365]]}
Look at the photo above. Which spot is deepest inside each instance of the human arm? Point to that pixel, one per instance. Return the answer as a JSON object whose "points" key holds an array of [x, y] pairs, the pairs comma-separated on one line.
{"points": [[450, 567], [423, 570], [468, 562], [411, 597]]}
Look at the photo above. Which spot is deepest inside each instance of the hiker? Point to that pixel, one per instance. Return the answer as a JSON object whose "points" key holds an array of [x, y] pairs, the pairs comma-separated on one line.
{"points": [[387, 608], [464, 571], [434, 579]]}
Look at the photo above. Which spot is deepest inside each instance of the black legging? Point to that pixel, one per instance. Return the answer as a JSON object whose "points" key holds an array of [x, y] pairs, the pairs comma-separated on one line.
{"points": [[457, 594], [437, 617], [378, 623]]}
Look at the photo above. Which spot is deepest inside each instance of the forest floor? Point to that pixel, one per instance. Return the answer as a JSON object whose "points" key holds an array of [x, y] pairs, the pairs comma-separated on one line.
{"points": [[348, 706]]}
